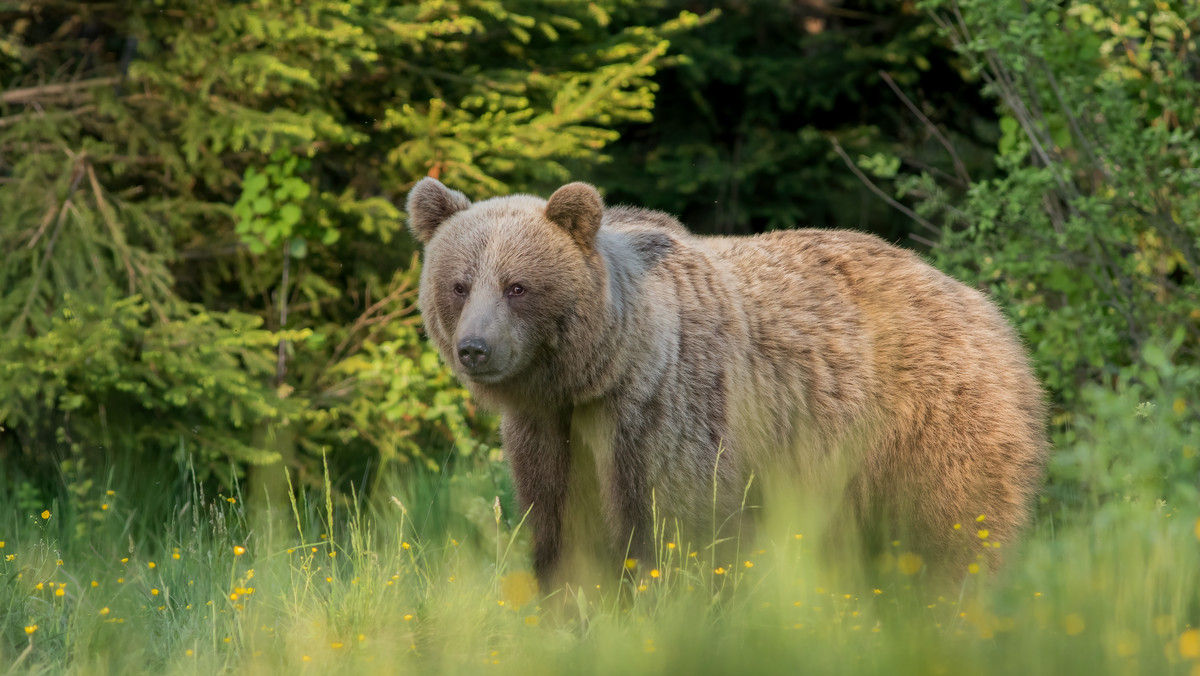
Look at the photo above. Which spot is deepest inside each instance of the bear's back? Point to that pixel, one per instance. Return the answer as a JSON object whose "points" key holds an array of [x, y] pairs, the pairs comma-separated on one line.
{"points": [[870, 327], [845, 283]]}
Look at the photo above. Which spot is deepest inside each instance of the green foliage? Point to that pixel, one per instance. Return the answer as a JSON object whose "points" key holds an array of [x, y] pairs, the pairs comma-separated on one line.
{"points": [[110, 376], [227, 168], [739, 140], [1137, 441], [1091, 234], [269, 210], [177, 581]]}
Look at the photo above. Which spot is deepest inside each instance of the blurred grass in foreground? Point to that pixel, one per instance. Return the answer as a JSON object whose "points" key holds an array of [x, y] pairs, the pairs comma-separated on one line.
{"points": [[130, 577]]}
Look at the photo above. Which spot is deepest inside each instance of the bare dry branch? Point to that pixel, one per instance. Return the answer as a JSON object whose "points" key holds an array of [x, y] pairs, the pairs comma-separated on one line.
{"points": [[875, 189], [960, 169], [32, 94]]}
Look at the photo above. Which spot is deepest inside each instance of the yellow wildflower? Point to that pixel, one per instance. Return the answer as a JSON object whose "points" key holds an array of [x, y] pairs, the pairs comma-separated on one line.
{"points": [[45, 515], [1073, 624], [1189, 644], [30, 628], [909, 563]]}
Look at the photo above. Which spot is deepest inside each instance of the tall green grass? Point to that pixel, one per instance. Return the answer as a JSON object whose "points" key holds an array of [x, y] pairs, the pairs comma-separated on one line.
{"points": [[169, 579]]}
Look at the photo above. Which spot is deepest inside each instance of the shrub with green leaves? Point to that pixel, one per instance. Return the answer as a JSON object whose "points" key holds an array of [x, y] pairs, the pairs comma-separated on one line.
{"points": [[1090, 236], [228, 170], [269, 210]]}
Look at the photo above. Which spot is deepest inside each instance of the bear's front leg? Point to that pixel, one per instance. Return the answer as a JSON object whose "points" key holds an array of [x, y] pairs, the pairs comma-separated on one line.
{"points": [[536, 445]]}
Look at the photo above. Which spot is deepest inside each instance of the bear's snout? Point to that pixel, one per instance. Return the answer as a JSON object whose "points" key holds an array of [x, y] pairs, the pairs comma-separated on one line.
{"points": [[473, 352]]}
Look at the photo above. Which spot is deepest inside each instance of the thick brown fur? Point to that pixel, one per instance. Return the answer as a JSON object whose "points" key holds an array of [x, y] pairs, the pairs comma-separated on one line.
{"points": [[627, 352]]}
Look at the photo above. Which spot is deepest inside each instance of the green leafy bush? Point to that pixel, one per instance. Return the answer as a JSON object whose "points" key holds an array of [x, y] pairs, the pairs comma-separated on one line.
{"points": [[1136, 442], [201, 255], [1090, 236]]}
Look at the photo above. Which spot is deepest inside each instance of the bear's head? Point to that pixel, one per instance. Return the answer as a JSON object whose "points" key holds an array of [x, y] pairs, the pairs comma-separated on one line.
{"points": [[504, 280]]}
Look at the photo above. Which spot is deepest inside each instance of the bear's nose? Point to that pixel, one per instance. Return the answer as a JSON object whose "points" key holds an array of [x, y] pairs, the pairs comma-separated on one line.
{"points": [[473, 352]]}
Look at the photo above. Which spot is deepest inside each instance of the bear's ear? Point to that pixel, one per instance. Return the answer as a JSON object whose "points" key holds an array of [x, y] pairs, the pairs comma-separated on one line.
{"points": [[429, 205], [577, 208]]}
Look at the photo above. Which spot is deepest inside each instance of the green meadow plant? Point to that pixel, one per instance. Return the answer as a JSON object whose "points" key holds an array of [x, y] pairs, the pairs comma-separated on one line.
{"points": [[1105, 581]]}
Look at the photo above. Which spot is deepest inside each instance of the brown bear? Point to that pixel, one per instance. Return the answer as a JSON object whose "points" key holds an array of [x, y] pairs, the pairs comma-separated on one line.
{"points": [[643, 373]]}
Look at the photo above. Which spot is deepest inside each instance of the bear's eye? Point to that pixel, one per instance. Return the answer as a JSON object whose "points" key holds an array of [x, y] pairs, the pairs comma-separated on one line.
{"points": [[460, 290], [516, 290]]}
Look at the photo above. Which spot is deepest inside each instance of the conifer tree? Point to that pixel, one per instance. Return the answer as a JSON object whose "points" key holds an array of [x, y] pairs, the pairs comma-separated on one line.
{"points": [[202, 255]]}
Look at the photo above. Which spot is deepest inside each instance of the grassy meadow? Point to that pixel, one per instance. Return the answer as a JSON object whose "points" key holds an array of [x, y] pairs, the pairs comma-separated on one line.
{"points": [[116, 576]]}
